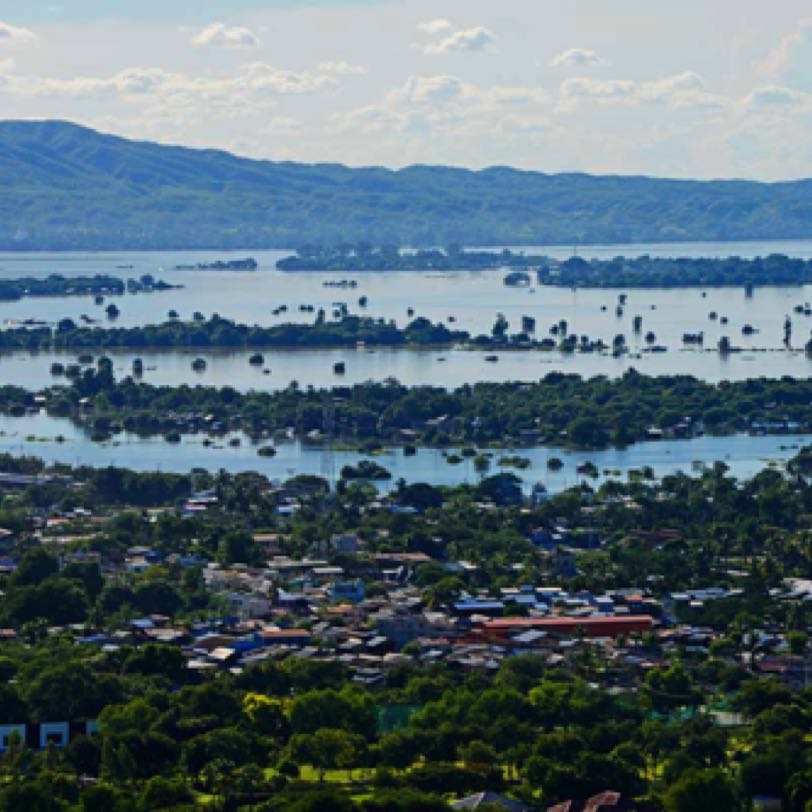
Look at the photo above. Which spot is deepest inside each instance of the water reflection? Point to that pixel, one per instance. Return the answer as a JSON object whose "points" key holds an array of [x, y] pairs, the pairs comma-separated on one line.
{"points": [[36, 435]]}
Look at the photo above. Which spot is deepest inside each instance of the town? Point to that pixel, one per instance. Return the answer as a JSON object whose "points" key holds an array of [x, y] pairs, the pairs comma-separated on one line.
{"points": [[279, 594]]}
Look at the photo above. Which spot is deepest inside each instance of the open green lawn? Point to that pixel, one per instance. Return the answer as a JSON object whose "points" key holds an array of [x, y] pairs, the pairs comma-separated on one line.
{"points": [[311, 774]]}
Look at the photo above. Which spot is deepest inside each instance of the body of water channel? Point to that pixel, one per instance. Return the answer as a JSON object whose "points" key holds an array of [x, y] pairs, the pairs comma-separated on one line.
{"points": [[471, 299], [36, 435], [446, 368]]}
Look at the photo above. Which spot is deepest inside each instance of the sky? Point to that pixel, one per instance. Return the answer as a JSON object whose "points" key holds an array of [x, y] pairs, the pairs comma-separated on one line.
{"points": [[699, 88]]}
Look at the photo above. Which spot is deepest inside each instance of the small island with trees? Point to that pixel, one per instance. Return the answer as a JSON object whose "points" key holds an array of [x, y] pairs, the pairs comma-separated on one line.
{"points": [[12, 290], [247, 264], [348, 331], [563, 410], [634, 272]]}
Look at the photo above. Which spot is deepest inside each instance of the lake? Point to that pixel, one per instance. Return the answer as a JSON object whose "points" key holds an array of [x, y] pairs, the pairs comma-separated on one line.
{"points": [[448, 368], [472, 298], [35, 435]]}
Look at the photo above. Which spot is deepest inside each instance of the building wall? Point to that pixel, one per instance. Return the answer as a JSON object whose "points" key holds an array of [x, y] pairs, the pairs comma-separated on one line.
{"points": [[592, 627]]}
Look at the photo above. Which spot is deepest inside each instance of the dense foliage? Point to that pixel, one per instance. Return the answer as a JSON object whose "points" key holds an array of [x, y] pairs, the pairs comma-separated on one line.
{"points": [[298, 733], [587, 413], [70, 187], [364, 257], [58, 285], [651, 272], [219, 332], [633, 272], [247, 264]]}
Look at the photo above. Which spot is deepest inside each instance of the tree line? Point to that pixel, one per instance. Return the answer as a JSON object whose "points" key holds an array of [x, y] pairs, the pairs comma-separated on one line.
{"points": [[560, 408]]}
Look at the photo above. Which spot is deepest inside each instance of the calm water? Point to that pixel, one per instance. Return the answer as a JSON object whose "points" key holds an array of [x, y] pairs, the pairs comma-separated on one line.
{"points": [[448, 368], [473, 299], [35, 435]]}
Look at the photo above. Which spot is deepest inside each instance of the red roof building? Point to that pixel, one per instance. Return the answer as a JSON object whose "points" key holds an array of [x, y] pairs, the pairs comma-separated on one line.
{"points": [[500, 630]]}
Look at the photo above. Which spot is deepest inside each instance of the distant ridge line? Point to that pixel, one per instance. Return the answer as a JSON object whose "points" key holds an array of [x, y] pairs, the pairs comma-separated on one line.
{"points": [[69, 187]]}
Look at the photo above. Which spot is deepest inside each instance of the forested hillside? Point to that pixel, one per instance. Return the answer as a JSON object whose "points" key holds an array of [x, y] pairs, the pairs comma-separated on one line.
{"points": [[65, 186]]}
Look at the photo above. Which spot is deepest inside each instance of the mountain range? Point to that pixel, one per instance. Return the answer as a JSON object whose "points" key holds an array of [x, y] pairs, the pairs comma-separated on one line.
{"points": [[63, 186]]}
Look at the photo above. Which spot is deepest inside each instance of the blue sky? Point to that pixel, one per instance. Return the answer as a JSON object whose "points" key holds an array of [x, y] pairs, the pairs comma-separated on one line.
{"points": [[42, 11], [699, 88]]}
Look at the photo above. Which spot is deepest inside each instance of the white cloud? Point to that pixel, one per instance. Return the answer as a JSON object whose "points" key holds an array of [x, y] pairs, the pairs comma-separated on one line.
{"points": [[642, 119], [775, 98], [261, 76], [254, 82], [370, 119], [438, 26], [468, 40], [342, 68], [585, 87], [450, 91], [12, 34], [129, 82], [221, 35], [446, 106], [132, 81], [686, 82], [7, 65], [427, 90], [576, 58], [781, 58], [460, 98], [687, 89]]}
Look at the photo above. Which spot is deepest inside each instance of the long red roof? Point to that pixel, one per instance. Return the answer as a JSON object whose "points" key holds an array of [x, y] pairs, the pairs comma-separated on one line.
{"points": [[567, 621]]}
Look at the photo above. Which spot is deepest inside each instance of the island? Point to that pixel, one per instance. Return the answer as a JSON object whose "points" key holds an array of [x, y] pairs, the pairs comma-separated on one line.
{"points": [[248, 264], [12, 290], [619, 272], [517, 279], [347, 331], [557, 410], [364, 257], [678, 272]]}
